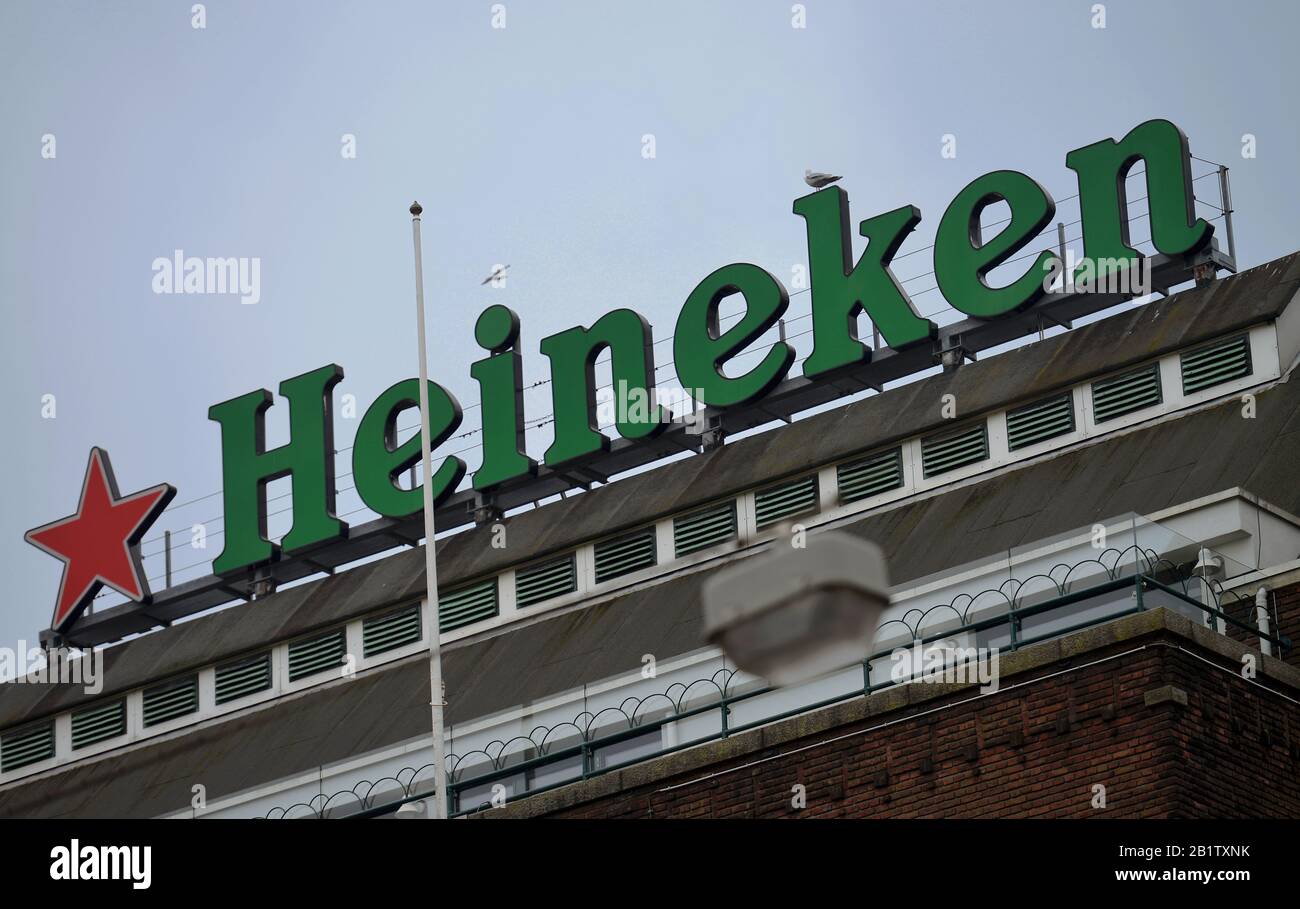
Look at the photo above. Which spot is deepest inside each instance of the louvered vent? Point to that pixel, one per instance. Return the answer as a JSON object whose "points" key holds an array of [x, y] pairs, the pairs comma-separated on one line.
{"points": [[624, 555], [1124, 394], [26, 746], [776, 503], [942, 454], [702, 529], [1216, 364], [397, 629], [98, 723], [316, 655], [870, 476], [1040, 421], [467, 605], [243, 677], [545, 581], [171, 700]]}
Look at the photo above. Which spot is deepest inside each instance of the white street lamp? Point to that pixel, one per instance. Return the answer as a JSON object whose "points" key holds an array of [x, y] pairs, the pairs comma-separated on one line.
{"points": [[793, 614]]}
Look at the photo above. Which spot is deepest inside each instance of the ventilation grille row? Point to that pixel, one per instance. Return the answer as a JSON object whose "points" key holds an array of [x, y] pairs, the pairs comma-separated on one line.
{"points": [[1124, 394], [171, 700], [26, 746], [704, 528], [397, 629], [244, 677], [786, 500], [467, 605], [545, 581], [1040, 421], [1216, 364], [316, 655], [870, 476], [624, 555], [942, 454], [98, 723]]}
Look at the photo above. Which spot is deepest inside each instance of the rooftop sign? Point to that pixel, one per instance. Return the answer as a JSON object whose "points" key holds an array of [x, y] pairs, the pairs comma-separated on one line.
{"points": [[841, 290]]}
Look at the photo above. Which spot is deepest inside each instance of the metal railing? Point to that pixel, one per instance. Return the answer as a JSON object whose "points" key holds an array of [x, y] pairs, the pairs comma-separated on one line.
{"points": [[1151, 575]]}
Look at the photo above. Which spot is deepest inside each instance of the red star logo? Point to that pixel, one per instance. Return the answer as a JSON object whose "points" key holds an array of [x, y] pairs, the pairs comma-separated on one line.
{"points": [[100, 544]]}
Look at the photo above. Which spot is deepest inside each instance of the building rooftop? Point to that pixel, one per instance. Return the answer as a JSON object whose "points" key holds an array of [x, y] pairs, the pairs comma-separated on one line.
{"points": [[1182, 452]]}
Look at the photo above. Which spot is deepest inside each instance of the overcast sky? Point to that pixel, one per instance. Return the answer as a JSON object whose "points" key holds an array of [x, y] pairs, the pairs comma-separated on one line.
{"points": [[526, 144]]}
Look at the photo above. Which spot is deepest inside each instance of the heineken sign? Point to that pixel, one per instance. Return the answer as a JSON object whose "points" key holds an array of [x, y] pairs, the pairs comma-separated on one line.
{"points": [[703, 353]]}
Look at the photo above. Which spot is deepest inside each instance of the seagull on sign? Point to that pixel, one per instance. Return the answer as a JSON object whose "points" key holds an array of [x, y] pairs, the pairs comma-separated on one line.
{"points": [[817, 179], [498, 272]]}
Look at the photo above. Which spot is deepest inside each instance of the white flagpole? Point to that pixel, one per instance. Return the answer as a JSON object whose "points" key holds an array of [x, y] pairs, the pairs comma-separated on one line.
{"points": [[437, 693]]}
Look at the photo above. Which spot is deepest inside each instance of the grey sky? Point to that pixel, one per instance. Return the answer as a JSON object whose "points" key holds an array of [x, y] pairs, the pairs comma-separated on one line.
{"points": [[525, 146]]}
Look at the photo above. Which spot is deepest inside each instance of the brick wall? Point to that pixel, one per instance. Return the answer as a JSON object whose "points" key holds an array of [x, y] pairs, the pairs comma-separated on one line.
{"points": [[1287, 605], [1155, 711]]}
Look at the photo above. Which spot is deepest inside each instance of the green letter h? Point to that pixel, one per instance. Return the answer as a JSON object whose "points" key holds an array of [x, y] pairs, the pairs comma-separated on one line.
{"points": [[308, 457]]}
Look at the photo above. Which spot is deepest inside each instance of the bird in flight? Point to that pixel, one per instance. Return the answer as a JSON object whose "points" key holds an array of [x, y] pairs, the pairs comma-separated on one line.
{"points": [[497, 273], [817, 180]]}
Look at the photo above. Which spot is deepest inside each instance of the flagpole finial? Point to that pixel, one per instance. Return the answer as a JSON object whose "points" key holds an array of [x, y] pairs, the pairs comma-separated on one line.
{"points": [[416, 210]]}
